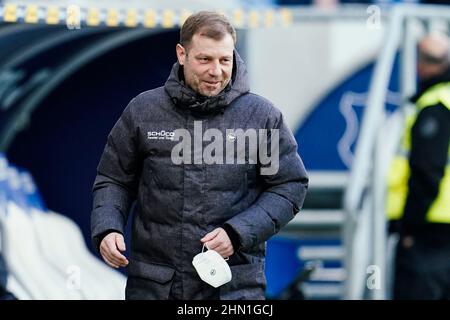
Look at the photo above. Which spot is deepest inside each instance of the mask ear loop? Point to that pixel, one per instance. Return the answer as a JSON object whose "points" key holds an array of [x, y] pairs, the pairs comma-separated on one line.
{"points": [[205, 246]]}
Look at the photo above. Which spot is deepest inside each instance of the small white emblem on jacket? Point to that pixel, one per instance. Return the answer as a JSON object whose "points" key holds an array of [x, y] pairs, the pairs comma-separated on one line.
{"points": [[231, 136]]}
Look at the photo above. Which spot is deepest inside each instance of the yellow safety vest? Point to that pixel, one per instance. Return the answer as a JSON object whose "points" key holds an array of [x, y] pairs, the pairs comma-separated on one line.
{"points": [[399, 171]]}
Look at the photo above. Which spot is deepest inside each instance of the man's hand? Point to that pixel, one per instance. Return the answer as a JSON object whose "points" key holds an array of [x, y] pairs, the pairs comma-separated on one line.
{"points": [[110, 248], [219, 241], [407, 242]]}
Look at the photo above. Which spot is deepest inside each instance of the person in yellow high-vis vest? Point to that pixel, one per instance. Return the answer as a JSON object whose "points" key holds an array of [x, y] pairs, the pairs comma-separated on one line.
{"points": [[418, 198]]}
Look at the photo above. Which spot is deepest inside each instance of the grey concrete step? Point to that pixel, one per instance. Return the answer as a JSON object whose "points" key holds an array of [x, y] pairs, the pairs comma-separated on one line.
{"points": [[315, 218]]}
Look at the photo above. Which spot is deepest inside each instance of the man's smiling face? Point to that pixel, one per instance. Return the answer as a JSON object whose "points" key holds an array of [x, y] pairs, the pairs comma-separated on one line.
{"points": [[207, 63]]}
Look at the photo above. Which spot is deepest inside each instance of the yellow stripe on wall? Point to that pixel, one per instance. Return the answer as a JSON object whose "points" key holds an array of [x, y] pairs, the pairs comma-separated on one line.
{"points": [[93, 17], [134, 17], [53, 15], [31, 14], [10, 13], [131, 19], [168, 19], [150, 19], [112, 17]]}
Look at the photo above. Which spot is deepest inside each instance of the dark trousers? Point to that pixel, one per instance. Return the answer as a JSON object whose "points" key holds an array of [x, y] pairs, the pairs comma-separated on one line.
{"points": [[422, 271]]}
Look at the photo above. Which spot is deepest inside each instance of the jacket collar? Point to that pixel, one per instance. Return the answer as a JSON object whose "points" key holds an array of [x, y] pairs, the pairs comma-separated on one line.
{"points": [[427, 84]]}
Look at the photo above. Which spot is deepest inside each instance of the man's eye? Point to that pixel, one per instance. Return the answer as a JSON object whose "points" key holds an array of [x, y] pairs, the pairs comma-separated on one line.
{"points": [[203, 59]]}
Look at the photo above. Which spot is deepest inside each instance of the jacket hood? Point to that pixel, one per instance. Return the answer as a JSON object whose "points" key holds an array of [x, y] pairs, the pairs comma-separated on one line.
{"points": [[184, 97]]}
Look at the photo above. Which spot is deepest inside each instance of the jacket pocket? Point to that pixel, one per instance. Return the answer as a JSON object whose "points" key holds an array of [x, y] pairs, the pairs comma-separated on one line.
{"points": [[248, 283], [148, 281], [149, 174], [163, 173]]}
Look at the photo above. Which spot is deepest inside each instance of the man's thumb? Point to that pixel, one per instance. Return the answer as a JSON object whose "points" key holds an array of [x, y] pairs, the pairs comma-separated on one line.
{"points": [[120, 242], [210, 235]]}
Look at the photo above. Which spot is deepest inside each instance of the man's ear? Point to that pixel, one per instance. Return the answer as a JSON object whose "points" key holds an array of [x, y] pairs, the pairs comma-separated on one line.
{"points": [[181, 54]]}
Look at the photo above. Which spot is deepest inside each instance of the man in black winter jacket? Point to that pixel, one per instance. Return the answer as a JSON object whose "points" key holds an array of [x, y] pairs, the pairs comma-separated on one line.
{"points": [[177, 151]]}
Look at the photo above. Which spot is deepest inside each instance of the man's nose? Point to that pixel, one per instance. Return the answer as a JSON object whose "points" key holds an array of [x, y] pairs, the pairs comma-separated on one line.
{"points": [[214, 70]]}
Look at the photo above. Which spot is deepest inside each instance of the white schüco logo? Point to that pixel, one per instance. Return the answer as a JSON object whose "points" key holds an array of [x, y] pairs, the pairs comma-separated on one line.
{"points": [[161, 135]]}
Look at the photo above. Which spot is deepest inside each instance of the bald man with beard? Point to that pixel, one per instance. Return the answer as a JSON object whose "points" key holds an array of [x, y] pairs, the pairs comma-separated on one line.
{"points": [[422, 268]]}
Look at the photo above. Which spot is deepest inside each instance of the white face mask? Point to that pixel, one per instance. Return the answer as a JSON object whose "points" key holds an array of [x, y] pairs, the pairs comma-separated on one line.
{"points": [[212, 268]]}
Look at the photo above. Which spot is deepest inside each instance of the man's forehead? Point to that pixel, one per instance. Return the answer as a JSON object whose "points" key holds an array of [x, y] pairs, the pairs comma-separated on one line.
{"points": [[434, 45], [206, 45]]}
